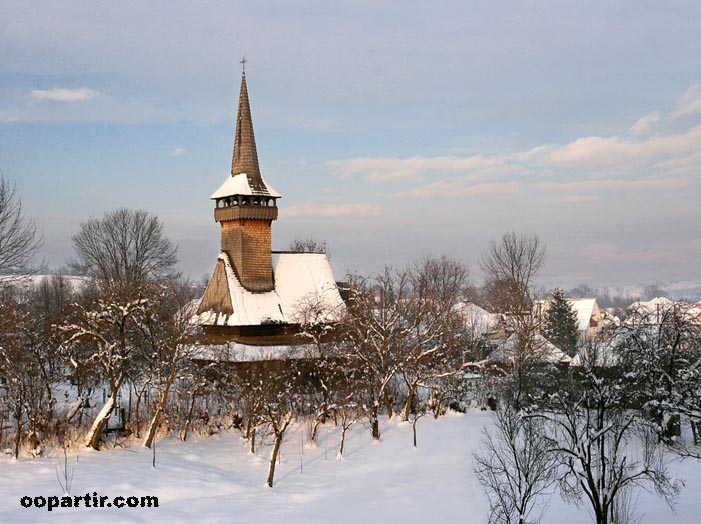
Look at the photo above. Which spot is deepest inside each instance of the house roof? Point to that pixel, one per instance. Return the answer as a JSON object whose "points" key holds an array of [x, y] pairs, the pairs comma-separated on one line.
{"points": [[584, 309], [301, 280], [651, 306], [477, 319]]}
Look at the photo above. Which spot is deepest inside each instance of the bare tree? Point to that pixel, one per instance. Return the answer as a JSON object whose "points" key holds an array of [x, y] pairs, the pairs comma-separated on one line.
{"points": [[593, 433], [433, 347], [307, 245], [127, 256], [374, 333], [510, 266], [28, 367], [515, 467], [166, 333], [125, 249], [101, 336], [19, 240], [280, 384]]}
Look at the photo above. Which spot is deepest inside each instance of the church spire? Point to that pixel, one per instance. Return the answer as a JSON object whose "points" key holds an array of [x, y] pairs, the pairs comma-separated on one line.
{"points": [[245, 157]]}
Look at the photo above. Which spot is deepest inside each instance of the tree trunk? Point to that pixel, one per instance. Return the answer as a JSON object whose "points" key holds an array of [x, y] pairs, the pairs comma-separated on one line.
{"points": [[98, 426], [344, 428], [388, 405], [375, 423], [136, 409], [318, 420], [413, 426], [409, 401], [189, 417], [273, 457], [18, 436], [253, 441], [151, 432], [2, 428]]}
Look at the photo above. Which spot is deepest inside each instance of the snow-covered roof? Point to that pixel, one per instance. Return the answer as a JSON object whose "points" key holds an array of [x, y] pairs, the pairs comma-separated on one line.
{"points": [[479, 320], [651, 306], [655, 310], [301, 280], [584, 308], [241, 185]]}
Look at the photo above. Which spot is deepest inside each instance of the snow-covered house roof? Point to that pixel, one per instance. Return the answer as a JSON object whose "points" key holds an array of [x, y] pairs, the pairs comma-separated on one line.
{"points": [[586, 310], [478, 320], [301, 280], [654, 311], [652, 306]]}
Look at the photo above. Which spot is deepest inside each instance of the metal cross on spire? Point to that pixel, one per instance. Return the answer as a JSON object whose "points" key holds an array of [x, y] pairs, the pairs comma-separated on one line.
{"points": [[243, 63]]}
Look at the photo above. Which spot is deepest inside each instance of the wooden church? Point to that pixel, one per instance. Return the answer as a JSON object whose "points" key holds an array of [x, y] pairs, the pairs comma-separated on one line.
{"points": [[256, 297]]}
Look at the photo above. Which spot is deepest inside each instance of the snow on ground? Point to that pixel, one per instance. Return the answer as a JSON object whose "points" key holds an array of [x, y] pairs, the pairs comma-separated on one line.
{"points": [[216, 480]]}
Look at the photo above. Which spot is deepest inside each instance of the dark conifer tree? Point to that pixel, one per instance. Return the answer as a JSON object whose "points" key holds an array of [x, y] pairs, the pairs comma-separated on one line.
{"points": [[561, 323]]}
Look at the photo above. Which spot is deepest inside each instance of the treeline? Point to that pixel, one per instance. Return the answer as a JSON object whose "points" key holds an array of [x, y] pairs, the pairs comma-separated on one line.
{"points": [[116, 350]]}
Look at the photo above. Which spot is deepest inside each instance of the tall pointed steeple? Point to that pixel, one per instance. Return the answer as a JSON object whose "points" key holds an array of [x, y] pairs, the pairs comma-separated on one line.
{"points": [[245, 157]]}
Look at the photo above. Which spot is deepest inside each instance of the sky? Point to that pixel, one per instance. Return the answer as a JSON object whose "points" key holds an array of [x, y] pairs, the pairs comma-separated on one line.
{"points": [[393, 130]]}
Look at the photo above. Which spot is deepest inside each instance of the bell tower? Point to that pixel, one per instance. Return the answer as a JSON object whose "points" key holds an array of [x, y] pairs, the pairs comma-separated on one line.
{"points": [[245, 206]]}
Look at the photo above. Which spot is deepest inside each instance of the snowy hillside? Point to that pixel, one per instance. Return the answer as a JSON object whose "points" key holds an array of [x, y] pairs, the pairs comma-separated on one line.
{"points": [[215, 480]]}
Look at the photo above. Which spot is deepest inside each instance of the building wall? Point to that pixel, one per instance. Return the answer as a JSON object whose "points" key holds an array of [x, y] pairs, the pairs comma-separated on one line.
{"points": [[248, 244]]}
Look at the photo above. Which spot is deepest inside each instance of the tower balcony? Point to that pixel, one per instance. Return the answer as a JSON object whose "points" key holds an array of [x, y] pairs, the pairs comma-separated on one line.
{"points": [[222, 214]]}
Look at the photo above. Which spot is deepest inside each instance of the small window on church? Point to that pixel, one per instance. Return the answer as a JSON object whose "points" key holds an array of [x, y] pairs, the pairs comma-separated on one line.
{"points": [[256, 201], [245, 201], [235, 202]]}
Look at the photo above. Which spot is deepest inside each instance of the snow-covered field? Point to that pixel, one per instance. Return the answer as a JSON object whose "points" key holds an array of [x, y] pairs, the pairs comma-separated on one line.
{"points": [[215, 479]]}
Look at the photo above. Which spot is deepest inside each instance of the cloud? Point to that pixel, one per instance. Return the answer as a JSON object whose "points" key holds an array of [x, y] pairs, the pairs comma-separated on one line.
{"points": [[587, 164], [452, 188], [595, 157], [687, 165], [80, 94], [645, 124], [588, 185], [341, 210], [387, 169], [178, 151], [689, 103], [597, 152]]}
